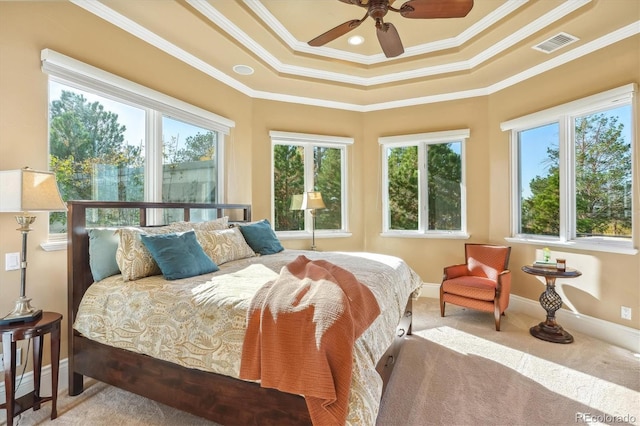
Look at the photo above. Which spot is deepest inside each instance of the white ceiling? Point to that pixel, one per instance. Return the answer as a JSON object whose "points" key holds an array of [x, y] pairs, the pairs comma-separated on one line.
{"points": [[489, 49]]}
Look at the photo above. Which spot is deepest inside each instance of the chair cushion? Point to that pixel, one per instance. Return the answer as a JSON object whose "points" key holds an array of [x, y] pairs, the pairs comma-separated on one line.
{"points": [[486, 260], [472, 287]]}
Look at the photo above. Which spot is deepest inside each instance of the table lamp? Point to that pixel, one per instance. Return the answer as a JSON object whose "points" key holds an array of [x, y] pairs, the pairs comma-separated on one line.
{"points": [[24, 191], [312, 201]]}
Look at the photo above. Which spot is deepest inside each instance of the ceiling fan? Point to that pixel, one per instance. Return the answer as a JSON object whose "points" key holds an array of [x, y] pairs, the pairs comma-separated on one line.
{"points": [[387, 33]]}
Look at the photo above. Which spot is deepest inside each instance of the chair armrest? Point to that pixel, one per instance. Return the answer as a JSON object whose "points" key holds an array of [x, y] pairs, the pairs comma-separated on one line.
{"points": [[504, 280], [455, 271]]}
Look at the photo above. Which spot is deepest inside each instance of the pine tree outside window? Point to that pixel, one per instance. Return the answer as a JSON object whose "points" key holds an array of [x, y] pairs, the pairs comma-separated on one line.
{"points": [[114, 140], [301, 163], [423, 184], [572, 173]]}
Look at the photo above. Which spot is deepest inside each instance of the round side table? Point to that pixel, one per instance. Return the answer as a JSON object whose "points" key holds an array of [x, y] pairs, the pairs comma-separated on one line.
{"points": [[551, 301], [48, 323]]}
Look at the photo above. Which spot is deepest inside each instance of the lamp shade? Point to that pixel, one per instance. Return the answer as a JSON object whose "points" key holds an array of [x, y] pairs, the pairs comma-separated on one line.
{"points": [[312, 200], [29, 190]]}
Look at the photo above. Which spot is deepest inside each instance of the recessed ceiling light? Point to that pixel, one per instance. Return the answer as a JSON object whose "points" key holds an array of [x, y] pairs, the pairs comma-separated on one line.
{"points": [[243, 69], [356, 40]]}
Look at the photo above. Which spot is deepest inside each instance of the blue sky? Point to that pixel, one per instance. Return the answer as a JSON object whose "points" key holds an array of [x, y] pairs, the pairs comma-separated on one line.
{"points": [[534, 144], [131, 117]]}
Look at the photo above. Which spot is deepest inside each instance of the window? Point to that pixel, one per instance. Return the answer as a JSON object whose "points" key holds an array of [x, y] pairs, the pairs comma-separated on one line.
{"points": [[423, 184], [303, 163], [113, 140], [572, 173]]}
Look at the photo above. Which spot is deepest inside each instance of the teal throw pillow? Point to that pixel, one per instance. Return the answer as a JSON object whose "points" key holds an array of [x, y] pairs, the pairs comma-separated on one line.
{"points": [[179, 255], [103, 243], [261, 237]]}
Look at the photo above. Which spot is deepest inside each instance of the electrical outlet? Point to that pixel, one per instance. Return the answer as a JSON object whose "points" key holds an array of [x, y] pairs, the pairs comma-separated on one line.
{"points": [[18, 359], [11, 261], [625, 312]]}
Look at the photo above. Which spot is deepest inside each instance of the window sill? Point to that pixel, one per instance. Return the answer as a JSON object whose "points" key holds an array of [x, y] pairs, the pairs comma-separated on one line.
{"points": [[302, 235], [434, 235], [54, 245], [592, 245]]}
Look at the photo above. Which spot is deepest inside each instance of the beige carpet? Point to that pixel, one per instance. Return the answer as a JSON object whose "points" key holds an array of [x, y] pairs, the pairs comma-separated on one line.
{"points": [[455, 370]]}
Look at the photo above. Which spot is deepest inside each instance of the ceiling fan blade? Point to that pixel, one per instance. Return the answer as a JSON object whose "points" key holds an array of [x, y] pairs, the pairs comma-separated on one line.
{"points": [[426, 9], [334, 33], [389, 40]]}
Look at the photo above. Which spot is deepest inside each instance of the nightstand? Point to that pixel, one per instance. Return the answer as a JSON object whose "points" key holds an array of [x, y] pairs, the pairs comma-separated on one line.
{"points": [[48, 323]]}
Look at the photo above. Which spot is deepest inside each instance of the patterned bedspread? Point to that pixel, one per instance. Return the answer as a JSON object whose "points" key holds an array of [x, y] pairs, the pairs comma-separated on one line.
{"points": [[200, 322]]}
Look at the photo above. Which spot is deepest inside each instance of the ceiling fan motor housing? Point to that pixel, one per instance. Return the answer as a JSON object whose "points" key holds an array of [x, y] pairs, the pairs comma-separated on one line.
{"points": [[378, 8], [387, 34]]}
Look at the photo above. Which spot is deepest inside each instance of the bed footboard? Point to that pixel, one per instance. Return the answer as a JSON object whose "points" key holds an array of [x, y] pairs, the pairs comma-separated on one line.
{"points": [[216, 397]]}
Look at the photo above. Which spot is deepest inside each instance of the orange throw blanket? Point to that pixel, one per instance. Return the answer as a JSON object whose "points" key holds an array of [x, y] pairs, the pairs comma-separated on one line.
{"points": [[301, 332]]}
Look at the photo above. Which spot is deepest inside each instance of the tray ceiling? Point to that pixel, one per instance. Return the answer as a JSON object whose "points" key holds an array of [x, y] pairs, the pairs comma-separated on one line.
{"points": [[489, 49]]}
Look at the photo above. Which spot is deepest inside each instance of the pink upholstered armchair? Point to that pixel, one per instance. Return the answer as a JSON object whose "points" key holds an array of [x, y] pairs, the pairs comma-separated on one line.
{"points": [[482, 283]]}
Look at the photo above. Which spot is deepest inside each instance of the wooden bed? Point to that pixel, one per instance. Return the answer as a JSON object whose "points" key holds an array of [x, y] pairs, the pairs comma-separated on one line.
{"points": [[216, 397]]}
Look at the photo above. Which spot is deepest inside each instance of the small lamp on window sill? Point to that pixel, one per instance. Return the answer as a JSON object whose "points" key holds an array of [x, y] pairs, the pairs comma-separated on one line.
{"points": [[309, 201], [24, 191]]}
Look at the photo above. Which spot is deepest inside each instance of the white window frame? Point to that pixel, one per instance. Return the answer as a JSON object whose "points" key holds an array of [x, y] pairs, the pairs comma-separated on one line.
{"points": [[564, 115], [77, 74], [421, 140], [309, 141]]}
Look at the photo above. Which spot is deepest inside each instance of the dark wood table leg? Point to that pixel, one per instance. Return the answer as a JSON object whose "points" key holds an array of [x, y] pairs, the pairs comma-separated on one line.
{"points": [[37, 370], [55, 364], [9, 352], [550, 330]]}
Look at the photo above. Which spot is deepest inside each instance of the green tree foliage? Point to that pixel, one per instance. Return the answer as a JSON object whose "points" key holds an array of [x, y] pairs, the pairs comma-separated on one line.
{"points": [[403, 187], [200, 147], [541, 211], [444, 175], [603, 177], [288, 180], [444, 169], [82, 136], [87, 143], [328, 180], [603, 183]]}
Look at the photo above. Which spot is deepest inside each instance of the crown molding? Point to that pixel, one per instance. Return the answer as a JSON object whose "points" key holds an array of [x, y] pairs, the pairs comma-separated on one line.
{"points": [[296, 45], [211, 13], [137, 30]]}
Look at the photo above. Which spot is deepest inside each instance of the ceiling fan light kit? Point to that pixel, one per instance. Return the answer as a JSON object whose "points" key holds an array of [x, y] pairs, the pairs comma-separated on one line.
{"points": [[388, 36]]}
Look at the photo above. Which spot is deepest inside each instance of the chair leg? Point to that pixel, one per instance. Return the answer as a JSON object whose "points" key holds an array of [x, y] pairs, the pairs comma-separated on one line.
{"points": [[496, 315], [441, 302]]}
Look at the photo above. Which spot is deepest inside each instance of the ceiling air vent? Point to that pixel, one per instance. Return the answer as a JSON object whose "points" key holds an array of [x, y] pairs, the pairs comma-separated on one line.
{"points": [[556, 42]]}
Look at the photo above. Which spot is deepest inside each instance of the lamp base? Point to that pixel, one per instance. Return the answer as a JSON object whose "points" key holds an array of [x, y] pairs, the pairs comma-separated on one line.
{"points": [[22, 312]]}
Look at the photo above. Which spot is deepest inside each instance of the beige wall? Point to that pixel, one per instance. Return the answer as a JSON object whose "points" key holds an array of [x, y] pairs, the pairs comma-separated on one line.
{"points": [[26, 28]]}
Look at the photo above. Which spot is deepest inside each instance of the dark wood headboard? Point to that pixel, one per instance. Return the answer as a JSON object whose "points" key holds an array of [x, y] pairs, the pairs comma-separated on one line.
{"points": [[79, 276]]}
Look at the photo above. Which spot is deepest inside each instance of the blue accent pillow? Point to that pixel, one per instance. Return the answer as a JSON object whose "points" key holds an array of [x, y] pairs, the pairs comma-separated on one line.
{"points": [[103, 243], [261, 237], [179, 255]]}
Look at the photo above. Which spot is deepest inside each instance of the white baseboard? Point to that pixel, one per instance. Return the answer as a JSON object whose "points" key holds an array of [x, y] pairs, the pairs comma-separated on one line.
{"points": [[615, 334], [25, 385]]}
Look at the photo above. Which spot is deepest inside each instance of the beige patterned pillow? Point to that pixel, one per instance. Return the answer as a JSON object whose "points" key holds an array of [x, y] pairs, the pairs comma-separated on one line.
{"points": [[210, 225], [224, 245], [132, 257]]}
